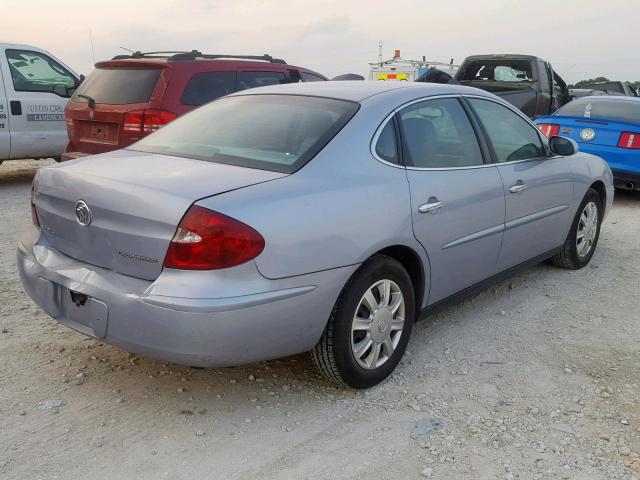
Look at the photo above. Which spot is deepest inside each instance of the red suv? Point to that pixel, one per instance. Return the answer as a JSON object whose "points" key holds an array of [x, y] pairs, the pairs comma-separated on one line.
{"points": [[130, 96]]}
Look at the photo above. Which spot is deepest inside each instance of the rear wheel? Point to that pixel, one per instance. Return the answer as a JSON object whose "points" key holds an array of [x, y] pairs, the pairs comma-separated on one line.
{"points": [[581, 242], [369, 327]]}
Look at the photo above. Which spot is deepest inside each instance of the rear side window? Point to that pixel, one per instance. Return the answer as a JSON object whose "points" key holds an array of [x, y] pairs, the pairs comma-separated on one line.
{"points": [[118, 86], [603, 108], [208, 86], [270, 132], [310, 77], [438, 134], [512, 137], [260, 79], [387, 145]]}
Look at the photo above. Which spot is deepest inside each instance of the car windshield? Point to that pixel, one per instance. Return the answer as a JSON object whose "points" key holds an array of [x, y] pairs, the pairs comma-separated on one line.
{"points": [[270, 132], [603, 108]]}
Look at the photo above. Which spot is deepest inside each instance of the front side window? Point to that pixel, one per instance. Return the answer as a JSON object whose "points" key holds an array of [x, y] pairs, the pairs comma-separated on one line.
{"points": [[37, 72], [512, 137], [279, 133], [208, 86], [260, 79], [437, 134]]}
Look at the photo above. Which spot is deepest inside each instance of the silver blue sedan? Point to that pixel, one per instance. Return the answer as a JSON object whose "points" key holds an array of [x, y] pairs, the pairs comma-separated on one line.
{"points": [[323, 217]]}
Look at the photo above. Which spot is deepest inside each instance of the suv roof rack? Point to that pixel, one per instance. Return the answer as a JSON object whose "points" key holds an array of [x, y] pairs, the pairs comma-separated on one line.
{"points": [[194, 55]]}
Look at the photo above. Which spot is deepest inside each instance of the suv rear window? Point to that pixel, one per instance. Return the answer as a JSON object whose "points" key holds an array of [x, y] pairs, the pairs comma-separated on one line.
{"points": [[118, 86], [270, 132], [604, 108]]}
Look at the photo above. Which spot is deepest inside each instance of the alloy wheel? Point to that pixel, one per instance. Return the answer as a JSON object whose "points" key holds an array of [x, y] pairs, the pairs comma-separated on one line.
{"points": [[587, 229], [377, 324]]}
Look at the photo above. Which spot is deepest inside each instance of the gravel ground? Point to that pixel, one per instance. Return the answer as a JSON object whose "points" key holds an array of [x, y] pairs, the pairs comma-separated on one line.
{"points": [[536, 378]]}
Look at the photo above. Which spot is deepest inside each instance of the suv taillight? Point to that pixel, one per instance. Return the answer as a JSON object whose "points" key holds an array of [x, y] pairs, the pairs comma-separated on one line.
{"points": [[208, 240], [34, 213], [630, 140], [69, 127], [143, 122], [549, 129]]}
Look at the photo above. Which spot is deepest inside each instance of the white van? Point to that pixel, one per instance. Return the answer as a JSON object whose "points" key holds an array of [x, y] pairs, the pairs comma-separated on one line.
{"points": [[34, 89]]}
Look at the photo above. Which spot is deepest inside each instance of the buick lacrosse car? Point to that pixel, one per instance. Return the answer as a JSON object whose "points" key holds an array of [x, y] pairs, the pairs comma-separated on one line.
{"points": [[323, 217]]}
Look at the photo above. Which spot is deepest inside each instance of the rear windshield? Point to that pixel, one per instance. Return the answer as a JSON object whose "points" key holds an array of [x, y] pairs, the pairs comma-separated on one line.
{"points": [[270, 132], [604, 108], [497, 71], [118, 86]]}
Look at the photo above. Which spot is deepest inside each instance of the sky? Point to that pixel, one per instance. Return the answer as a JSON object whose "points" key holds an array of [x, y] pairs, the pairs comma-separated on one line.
{"points": [[581, 38]]}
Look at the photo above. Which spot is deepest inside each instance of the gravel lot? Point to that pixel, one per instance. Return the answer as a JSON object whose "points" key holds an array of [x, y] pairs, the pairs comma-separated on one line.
{"points": [[537, 378]]}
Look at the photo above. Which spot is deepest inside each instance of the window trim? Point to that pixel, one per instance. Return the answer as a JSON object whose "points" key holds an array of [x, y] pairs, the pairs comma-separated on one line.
{"points": [[64, 67]]}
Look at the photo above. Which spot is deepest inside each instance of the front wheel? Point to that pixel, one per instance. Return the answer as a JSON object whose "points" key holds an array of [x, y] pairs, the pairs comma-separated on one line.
{"points": [[581, 242], [369, 327]]}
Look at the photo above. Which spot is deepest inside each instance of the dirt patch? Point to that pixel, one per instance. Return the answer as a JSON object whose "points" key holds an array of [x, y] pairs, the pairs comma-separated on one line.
{"points": [[536, 378]]}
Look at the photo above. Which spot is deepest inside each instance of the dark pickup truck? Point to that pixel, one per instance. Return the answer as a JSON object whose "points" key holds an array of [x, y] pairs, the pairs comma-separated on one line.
{"points": [[525, 81]]}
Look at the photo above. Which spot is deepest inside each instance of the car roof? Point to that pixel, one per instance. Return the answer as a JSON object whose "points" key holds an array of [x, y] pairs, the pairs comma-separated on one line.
{"points": [[222, 62], [359, 90]]}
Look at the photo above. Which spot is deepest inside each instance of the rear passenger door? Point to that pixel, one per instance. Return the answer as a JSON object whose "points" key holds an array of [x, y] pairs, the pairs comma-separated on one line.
{"points": [[457, 203], [538, 188]]}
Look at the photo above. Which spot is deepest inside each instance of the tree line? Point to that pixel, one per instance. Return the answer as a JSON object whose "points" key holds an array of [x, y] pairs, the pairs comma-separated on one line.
{"points": [[582, 83]]}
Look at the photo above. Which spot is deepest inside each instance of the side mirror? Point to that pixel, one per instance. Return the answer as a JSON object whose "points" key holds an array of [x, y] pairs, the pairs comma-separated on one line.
{"points": [[563, 146], [61, 90]]}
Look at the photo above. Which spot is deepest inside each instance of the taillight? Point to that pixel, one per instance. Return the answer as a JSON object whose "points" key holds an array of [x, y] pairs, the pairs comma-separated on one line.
{"points": [[34, 213], [208, 240], [69, 127], [629, 140], [549, 129], [143, 122]]}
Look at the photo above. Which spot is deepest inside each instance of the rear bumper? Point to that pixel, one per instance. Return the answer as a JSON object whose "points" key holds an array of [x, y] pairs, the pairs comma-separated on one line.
{"points": [[275, 319], [625, 164], [629, 180]]}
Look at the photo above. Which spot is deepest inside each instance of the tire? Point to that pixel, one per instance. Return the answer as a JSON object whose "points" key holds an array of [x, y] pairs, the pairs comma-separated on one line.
{"points": [[335, 354], [571, 256]]}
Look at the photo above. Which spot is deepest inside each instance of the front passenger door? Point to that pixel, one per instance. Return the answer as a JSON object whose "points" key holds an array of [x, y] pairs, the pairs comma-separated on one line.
{"points": [[538, 189], [457, 203]]}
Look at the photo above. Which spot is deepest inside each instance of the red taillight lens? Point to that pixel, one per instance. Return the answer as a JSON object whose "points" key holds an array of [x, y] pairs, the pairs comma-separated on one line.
{"points": [[34, 213], [155, 119], [549, 129], [133, 122], [69, 127], [208, 240], [143, 122], [629, 140]]}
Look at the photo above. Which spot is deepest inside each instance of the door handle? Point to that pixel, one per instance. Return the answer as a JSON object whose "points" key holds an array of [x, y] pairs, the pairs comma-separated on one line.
{"points": [[430, 207], [16, 107], [519, 187]]}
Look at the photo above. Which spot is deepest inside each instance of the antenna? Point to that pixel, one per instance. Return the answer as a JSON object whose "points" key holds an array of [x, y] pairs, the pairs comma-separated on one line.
{"points": [[380, 52], [93, 53], [127, 49]]}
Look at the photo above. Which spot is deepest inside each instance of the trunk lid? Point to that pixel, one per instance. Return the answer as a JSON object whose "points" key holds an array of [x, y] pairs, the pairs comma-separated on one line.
{"points": [[605, 133], [136, 201]]}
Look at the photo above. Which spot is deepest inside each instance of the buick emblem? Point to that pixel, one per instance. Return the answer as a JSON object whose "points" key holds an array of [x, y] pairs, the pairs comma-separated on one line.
{"points": [[83, 214]]}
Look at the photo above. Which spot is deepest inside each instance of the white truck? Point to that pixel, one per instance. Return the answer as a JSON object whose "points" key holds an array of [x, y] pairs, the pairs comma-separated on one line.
{"points": [[34, 89]]}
